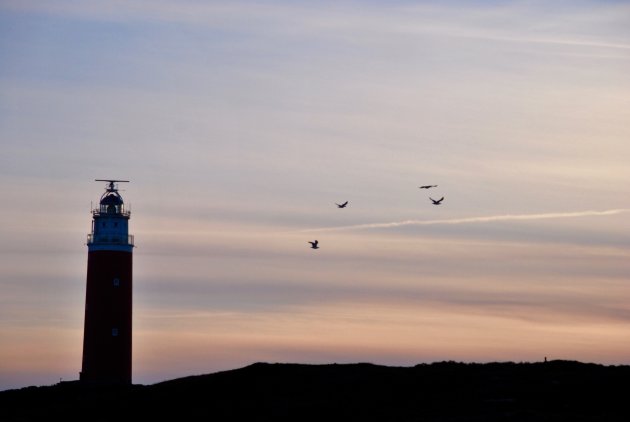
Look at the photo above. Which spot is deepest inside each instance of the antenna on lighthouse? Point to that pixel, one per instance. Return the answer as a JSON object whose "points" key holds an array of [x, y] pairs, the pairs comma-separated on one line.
{"points": [[111, 188]]}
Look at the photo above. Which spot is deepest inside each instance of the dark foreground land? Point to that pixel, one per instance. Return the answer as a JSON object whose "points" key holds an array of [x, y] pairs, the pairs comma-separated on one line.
{"points": [[446, 391]]}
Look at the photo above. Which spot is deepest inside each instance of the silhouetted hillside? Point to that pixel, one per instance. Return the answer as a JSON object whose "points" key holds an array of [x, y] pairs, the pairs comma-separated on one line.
{"points": [[446, 391]]}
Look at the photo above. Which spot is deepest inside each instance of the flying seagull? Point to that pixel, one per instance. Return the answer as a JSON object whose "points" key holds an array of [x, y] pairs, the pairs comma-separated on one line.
{"points": [[314, 244], [342, 205], [428, 186], [437, 202]]}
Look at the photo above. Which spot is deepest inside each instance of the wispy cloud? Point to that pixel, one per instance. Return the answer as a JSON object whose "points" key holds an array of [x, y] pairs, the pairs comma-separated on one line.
{"points": [[472, 220], [559, 41], [490, 23]]}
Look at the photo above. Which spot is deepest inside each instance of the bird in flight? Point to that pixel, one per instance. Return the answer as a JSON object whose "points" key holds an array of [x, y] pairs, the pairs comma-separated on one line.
{"points": [[342, 205], [314, 244], [428, 186], [438, 201]]}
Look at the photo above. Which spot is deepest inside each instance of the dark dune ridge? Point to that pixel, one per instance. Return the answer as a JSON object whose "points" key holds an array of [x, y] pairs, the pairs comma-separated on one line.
{"points": [[444, 391]]}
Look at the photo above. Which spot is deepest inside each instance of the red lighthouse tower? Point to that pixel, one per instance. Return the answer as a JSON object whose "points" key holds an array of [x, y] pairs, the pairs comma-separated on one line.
{"points": [[108, 297]]}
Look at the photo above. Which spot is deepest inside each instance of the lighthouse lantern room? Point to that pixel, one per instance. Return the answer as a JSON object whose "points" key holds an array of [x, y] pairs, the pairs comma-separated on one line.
{"points": [[108, 297]]}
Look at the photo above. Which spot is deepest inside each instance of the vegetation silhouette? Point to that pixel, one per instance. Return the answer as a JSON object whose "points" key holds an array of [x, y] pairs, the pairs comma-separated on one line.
{"points": [[443, 391]]}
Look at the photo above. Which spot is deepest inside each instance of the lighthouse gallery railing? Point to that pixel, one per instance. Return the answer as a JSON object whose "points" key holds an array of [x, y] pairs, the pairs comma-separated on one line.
{"points": [[113, 239]]}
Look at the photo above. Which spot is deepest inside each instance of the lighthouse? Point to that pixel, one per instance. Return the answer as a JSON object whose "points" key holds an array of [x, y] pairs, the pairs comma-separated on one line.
{"points": [[108, 295]]}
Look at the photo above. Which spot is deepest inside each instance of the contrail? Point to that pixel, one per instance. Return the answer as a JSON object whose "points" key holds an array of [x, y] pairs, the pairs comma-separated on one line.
{"points": [[470, 220]]}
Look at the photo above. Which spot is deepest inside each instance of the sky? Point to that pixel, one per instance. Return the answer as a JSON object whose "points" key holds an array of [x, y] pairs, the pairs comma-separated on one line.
{"points": [[240, 124]]}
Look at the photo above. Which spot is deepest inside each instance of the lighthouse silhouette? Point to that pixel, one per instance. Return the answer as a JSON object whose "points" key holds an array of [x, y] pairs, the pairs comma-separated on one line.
{"points": [[108, 295]]}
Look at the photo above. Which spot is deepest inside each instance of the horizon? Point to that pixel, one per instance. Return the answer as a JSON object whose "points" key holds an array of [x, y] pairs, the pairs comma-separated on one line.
{"points": [[241, 125], [335, 364]]}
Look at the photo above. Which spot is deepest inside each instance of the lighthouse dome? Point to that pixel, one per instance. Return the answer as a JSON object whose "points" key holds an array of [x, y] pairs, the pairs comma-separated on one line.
{"points": [[112, 198], [112, 203]]}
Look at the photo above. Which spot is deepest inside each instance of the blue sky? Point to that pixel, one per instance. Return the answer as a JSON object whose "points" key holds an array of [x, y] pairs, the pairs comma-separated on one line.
{"points": [[240, 124]]}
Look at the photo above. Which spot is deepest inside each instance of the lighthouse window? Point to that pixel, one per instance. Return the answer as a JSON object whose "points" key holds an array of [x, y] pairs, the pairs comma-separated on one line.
{"points": [[116, 282], [114, 332]]}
